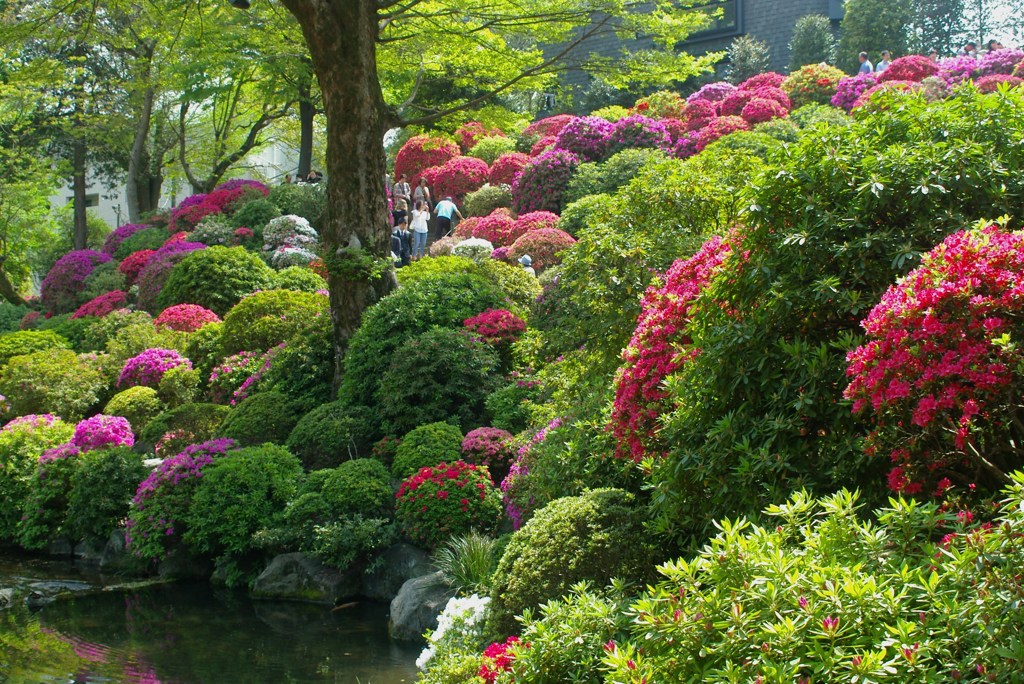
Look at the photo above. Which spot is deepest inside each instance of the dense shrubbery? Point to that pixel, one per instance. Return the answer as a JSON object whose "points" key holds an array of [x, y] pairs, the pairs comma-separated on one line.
{"points": [[426, 446], [266, 319], [325, 436], [447, 500], [102, 486], [263, 417], [56, 381], [22, 442], [215, 278], [29, 341]]}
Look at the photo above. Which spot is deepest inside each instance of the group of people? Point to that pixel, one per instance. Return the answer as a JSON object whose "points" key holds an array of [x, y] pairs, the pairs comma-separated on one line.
{"points": [[312, 177], [410, 229], [970, 49]]}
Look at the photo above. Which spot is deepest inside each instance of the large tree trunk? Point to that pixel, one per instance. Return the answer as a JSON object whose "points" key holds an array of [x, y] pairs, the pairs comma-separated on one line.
{"points": [[306, 113], [342, 40], [137, 186], [8, 291], [78, 186]]}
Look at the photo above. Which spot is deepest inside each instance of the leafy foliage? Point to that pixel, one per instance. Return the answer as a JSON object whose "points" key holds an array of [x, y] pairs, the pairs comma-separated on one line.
{"points": [[263, 417], [446, 500], [426, 446], [101, 491], [326, 436], [215, 278]]}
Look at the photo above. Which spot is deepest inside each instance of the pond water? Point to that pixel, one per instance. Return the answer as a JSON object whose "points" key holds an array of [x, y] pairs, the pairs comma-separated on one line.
{"points": [[189, 634]]}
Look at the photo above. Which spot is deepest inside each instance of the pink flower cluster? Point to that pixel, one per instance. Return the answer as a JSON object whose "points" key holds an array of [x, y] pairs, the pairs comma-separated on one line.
{"points": [[543, 245], [934, 376], [991, 83], [148, 368], [40, 420], [549, 126], [914, 68], [658, 348], [420, 153], [472, 132], [496, 326], [541, 185], [67, 278], [223, 200], [185, 317], [488, 446], [102, 431], [999, 61], [119, 235], [59, 453], [519, 502], [257, 374], [507, 167], [102, 305], [498, 658], [226, 378], [30, 320], [154, 274], [769, 79], [956, 70], [638, 132], [543, 145], [585, 136], [712, 92], [457, 177], [131, 266], [850, 88]]}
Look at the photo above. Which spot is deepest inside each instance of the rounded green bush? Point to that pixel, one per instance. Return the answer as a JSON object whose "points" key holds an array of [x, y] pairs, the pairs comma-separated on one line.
{"points": [[440, 375], [579, 215], [57, 381], [103, 279], [596, 536], [29, 341], [10, 316], [216, 278], [447, 500], [300, 279], [304, 370], [45, 512], [485, 200], [307, 201], [325, 436], [521, 288], [606, 177], [255, 215], [237, 496], [102, 330], [263, 417], [490, 148], [101, 492], [147, 238], [204, 349], [22, 442], [265, 319], [138, 405], [426, 446], [361, 486], [199, 422]]}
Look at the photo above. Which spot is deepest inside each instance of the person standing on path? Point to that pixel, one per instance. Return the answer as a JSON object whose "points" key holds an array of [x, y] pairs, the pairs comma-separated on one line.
{"points": [[402, 190], [403, 243], [420, 215], [883, 63], [422, 193], [866, 67], [444, 210]]}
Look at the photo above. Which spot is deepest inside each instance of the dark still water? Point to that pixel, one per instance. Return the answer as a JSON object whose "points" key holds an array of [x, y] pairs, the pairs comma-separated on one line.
{"points": [[192, 634]]}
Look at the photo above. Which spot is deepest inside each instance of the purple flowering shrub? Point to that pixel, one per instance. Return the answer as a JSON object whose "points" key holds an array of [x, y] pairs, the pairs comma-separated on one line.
{"points": [[228, 377], [517, 497], [638, 132], [154, 274], [102, 431], [491, 447], [122, 233], [156, 517], [713, 92], [850, 88], [541, 185], [63, 285], [999, 61], [148, 368], [956, 70], [585, 136]]}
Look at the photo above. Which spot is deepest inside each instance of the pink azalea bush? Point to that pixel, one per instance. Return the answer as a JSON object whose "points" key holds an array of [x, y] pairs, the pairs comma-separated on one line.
{"points": [[638, 132], [533, 220], [519, 502], [148, 368], [543, 145], [712, 92], [472, 132], [850, 88], [489, 447], [449, 499], [720, 127], [506, 167], [420, 153], [497, 659], [498, 228], [102, 431], [185, 317], [154, 274], [914, 68], [457, 177], [66, 279], [228, 377], [133, 264], [938, 372], [657, 349], [759, 109], [156, 518], [956, 70], [585, 136], [999, 61], [991, 83], [541, 185], [549, 126], [496, 326], [543, 245], [102, 305], [119, 235], [769, 79]]}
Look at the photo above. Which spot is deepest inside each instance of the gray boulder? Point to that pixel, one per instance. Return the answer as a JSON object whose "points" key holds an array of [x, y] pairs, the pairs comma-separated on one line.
{"points": [[298, 577], [6, 598], [399, 564], [417, 606]]}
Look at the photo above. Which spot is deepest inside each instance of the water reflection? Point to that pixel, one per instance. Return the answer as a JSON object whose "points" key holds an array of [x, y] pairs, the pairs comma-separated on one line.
{"points": [[192, 634]]}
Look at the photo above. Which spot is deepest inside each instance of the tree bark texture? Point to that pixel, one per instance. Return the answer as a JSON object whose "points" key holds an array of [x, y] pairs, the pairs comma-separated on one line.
{"points": [[306, 114], [78, 186], [138, 166], [342, 39]]}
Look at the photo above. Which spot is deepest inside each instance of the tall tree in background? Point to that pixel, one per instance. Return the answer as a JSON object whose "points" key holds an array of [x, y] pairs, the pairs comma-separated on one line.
{"points": [[937, 25], [493, 45], [872, 26], [986, 19], [813, 42]]}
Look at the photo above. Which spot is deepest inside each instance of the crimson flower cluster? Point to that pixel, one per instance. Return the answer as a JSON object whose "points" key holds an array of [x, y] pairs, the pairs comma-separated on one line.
{"points": [[496, 326], [131, 266], [990, 83], [457, 177], [148, 368], [914, 68], [420, 153], [938, 376], [543, 145], [472, 132], [102, 305], [658, 348], [437, 503], [102, 431], [549, 126], [507, 167], [185, 317], [498, 658]]}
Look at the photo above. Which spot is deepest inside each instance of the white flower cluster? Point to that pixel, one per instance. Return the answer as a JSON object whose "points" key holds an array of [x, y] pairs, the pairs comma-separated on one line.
{"points": [[476, 249], [460, 625], [290, 230]]}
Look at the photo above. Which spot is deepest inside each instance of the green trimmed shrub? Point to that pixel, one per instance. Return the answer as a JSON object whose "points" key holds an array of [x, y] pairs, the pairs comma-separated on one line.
{"points": [[237, 496], [263, 417], [57, 381], [428, 268], [147, 238], [204, 349], [215, 278], [255, 215], [45, 511], [138, 405], [509, 405], [439, 375], [426, 446], [485, 200], [101, 491], [10, 316], [194, 423], [71, 329], [266, 319], [325, 436], [304, 370], [103, 279], [756, 143], [608, 176], [577, 217], [781, 130], [307, 201], [812, 114], [28, 341], [22, 442], [298, 278], [102, 330], [521, 288], [135, 338], [178, 386], [491, 148], [596, 536], [360, 486]]}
